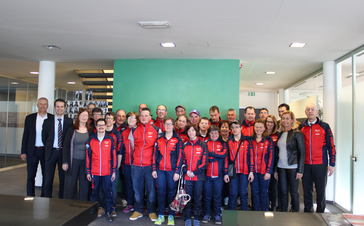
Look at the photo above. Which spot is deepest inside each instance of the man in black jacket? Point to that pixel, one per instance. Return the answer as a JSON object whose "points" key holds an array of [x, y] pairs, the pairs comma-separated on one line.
{"points": [[53, 132], [32, 148]]}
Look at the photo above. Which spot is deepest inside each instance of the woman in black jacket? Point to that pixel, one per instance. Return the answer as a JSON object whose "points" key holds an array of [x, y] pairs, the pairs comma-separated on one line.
{"points": [[291, 157], [74, 155]]}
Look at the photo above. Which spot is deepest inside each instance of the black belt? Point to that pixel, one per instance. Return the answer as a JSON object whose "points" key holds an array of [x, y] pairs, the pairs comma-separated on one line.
{"points": [[40, 147], [58, 149]]}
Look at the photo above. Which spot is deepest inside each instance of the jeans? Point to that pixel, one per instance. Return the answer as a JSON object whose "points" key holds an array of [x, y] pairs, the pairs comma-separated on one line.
{"points": [[212, 189], [314, 174], [129, 191], [166, 187], [114, 190], [287, 182], [105, 182], [259, 188], [239, 184], [194, 189], [141, 175]]}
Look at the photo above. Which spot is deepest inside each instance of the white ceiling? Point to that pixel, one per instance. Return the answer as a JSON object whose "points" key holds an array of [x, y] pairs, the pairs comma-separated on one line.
{"points": [[92, 34]]}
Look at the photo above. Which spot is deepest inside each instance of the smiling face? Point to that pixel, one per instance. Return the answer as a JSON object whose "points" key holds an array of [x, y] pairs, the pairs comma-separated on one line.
{"points": [[182, 122], [250, 115], [101, 126], [168, 125], [231, 116], [161, 112], [270, 124], [132, 120], [214, 135], [120, 117], [236, 128], [225, 130], [311, 112], [180, 111], [83, 117], [194, 118], [42, 105], [259, 128], [263, 114], [287, 121], [60, 108], [109, 120], [145, 117]]}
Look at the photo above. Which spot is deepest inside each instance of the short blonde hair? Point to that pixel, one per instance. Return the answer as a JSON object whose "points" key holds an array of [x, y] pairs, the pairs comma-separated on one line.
{"points": [[294, 123]]}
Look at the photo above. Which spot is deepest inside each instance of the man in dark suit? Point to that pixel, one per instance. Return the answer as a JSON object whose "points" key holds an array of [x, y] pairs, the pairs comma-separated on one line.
{"points": [[32, 148], [54, 129]]}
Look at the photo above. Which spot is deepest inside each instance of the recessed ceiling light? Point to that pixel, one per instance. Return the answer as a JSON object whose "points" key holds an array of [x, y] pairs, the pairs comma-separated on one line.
{"points": [[34, 72], [154, 24], [71, 83], [51, 47], [14, 83], [108, 71], [270, 72], [168, 44], [297, 45], [259, 83]]}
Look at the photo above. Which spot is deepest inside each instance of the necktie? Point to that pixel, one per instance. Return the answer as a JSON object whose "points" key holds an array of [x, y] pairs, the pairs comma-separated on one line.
{"points": [[60, 133]]}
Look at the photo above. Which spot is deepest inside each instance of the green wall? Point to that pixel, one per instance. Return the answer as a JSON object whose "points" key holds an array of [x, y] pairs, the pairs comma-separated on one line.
{"points": [[196, 84]]}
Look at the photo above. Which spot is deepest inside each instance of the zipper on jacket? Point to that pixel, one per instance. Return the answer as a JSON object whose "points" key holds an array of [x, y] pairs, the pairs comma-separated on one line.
{"points": [[213, 151], [165, 155], [191, 159], [100, 156], [141, 154], [256, 158], [311, 143]]}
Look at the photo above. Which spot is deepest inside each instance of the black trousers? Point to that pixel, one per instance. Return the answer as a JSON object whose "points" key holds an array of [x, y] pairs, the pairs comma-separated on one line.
{"points": [[78, 174], [50, 167], [32, 166], [273, 185], [288, 183], [314, 174]]}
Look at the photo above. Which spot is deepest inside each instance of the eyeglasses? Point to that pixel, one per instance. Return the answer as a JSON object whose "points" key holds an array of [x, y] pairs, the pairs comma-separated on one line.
{"points": [[101, 125], [96, 114], [168, 124], [131, 117], [107, 118], [162, 110]]}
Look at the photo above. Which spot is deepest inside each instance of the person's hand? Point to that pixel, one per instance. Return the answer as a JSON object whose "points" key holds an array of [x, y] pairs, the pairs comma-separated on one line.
{"points": [[154, 174], [175, 177], [89, 177], [276, 175], [331, 170], [299, 176], [113, 176], [65, 167], [190, 174], [23, 157], [267, 176], [251, 177], [226, 178]]}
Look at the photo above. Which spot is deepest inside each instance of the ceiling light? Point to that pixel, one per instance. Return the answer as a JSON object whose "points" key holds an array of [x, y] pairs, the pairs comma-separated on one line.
{"points": [[34, 72], [108, 71], [270, 72], [259, 83], [14, 83], [297, 45], [71, 83], [168, 44], [154, 24], [51, 47]]}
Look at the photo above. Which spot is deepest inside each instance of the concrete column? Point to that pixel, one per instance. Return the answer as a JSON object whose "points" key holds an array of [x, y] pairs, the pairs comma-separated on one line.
{"points": [[329, 114], [281, 97], [46, 83]]}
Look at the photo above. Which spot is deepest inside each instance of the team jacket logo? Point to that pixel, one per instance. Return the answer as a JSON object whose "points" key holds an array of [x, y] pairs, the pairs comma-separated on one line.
{"points": [[317, 132], [150, 134]]}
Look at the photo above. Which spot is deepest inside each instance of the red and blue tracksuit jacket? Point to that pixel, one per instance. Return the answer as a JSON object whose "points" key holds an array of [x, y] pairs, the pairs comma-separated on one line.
{"points": [[215, 123], [145, 137], [263, 153], [128, 151], [121, 128], [158, 123], [244, 159], [247, 128], [319, 142], [217, 158], [167, 153], [100, 156], [120, 148], [194, 156], [203, 139], [182, 133]]}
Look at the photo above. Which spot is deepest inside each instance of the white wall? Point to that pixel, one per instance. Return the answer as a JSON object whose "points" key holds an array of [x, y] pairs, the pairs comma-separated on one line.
{"points": [[260, 100]]}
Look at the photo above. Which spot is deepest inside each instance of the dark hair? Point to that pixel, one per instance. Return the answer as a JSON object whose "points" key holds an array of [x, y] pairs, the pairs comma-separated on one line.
{"points": [[60, 100], [264, 109], [284, 105], [100, 119], [146, 109], [265, 133], [194, 126], [222, 122], [112, 114], [275, 128], [168, 118], [214, 128], [77, 121], [203, 118], [249, 107], [91, 104], [237, 122], [96, 110], [214, 108]]}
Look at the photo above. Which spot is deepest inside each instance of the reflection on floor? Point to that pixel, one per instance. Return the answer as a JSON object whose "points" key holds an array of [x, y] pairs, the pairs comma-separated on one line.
{"points": [[10, 160]]}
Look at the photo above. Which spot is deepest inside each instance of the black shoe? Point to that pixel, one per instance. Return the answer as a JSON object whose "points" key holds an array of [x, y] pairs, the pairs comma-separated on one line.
{"points": [[278, 209], [109, 217]]}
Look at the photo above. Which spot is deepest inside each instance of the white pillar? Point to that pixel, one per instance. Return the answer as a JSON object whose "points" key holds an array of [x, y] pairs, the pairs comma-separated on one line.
{"points": [[329, 114], [281, 97], [46, 83]]}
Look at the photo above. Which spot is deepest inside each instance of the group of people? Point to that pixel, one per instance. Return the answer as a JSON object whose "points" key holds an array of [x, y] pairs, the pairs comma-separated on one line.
{"points": [[152, 155]]}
